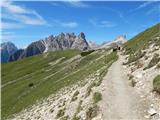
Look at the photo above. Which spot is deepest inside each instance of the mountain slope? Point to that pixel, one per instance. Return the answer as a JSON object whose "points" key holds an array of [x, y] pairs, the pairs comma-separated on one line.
{"points": [[33, 78], [7, 49], [142, 61], [143, 40]]}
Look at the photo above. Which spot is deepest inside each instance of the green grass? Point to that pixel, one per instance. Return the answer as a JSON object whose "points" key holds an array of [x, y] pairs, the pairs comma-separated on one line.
{"points": [[141, 41], [17, 77], [87, 52], [156, 84], [134, 46]]}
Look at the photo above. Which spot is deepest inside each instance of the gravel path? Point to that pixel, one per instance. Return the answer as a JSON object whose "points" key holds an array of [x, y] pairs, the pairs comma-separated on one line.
{"points": [[120, 100]]}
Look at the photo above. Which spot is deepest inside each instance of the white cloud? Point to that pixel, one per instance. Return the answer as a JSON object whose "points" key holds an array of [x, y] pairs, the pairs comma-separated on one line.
{"points": [[155, 9], [78, 4], [55, 3], [69, 24], [102, 24], [8, 25], [10, 7], [30, 20], [21, 15], [145, 4], [5, 36], [71, 3]]}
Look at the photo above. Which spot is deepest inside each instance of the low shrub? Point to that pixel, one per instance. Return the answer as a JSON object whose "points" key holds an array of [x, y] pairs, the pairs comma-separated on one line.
{"points": [[84, 53], [74, 97], [97, 97], [31, 84], [130, 76], [133, 82], [92, 112], [156, 84], [60, 113]]}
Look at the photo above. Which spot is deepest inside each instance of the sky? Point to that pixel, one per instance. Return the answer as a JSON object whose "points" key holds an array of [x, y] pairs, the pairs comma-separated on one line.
{"points": [[23, 22]]}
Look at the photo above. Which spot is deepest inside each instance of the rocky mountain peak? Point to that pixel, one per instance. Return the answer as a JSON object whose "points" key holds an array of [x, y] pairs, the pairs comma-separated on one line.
{"points": [[51, 37], [121, 38], [82, 35]]}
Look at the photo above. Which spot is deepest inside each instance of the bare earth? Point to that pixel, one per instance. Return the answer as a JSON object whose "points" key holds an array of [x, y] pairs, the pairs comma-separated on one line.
{"points": [[120, 100]]}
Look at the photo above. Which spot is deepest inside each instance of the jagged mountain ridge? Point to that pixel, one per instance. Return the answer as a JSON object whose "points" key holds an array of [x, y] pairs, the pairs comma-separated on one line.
{"points": [[61, 42], [54, 43]]}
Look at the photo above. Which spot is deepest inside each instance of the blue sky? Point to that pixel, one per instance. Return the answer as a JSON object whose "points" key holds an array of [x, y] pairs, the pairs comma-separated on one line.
{"points": [[28, 21]]}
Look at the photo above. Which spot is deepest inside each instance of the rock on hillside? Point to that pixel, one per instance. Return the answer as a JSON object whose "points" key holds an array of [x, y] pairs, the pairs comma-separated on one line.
{"points": [[7, 49], [54, 43]]}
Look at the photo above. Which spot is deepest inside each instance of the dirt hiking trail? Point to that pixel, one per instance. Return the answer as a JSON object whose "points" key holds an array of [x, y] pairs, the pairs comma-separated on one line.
{"points": [[120, 100]]}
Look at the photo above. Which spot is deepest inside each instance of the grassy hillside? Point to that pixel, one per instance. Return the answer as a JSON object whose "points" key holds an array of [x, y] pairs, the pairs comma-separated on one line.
{"points": [[134, 47], [33, 78], [143, 39]]}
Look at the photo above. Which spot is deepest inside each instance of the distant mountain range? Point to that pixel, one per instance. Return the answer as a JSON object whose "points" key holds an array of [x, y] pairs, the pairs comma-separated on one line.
{"points": [[120, 40], [52, 43], [7, 49]]}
